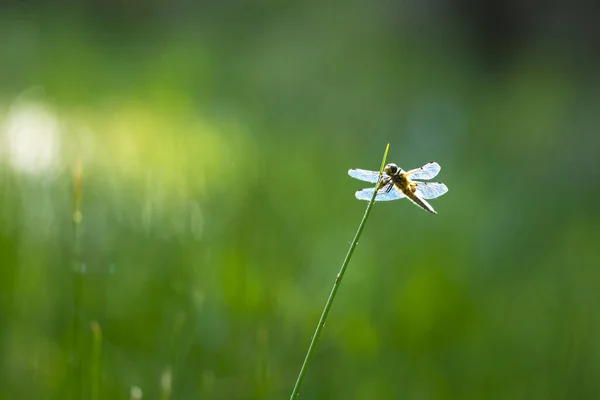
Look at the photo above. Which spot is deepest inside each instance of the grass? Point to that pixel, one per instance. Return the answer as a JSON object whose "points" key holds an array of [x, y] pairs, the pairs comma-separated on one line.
{"points": [[76, 367], [96, 359], [336, 286]]}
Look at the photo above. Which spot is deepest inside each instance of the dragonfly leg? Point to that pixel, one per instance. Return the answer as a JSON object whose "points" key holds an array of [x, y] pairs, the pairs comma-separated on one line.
{"points": [[389, 187], [383, 183]]}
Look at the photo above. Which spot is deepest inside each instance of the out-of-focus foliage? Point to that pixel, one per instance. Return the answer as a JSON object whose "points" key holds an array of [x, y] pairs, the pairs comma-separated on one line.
{"points": [[175, 174]]}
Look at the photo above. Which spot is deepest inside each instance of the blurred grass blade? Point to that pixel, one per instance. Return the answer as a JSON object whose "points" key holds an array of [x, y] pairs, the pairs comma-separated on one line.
{"points": [[77, 370], [96, 357], [166, 379], [336, 285]]}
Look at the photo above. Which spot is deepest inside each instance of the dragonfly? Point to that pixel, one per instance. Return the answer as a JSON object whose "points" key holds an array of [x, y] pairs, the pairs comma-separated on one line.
{"points": [[397, 184]]}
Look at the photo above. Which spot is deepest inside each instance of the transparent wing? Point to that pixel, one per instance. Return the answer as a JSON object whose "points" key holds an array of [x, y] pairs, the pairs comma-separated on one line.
{"points": [[431, 190], [427, 171], [364, 175], [367, 194]]}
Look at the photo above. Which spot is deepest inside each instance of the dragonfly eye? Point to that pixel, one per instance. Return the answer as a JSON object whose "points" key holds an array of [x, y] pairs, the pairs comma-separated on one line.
{"points": [[391, 169]]}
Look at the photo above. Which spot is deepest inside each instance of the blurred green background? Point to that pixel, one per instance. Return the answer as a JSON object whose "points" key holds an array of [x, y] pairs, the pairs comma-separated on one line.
{"points": [[175, 204]]}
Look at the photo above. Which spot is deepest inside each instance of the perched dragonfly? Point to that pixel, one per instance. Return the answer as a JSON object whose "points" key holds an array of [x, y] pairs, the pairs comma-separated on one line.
{"points": [[396, 184]]}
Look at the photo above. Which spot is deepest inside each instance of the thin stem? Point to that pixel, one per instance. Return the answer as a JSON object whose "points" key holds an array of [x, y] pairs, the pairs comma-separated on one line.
{"points": [[336, 286]]}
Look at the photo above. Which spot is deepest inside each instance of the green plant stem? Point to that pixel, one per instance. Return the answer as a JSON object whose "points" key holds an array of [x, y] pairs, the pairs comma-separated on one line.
{"points": [[336, 286]]}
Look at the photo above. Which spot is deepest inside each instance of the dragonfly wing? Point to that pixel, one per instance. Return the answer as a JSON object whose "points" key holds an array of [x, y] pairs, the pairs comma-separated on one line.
{"points": [[364, 175], [431, 190], [427, 171], [367, 194]]}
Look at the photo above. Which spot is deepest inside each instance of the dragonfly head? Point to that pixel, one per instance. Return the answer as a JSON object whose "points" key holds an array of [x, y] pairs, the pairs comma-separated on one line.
{"points": [[391, 169]]}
